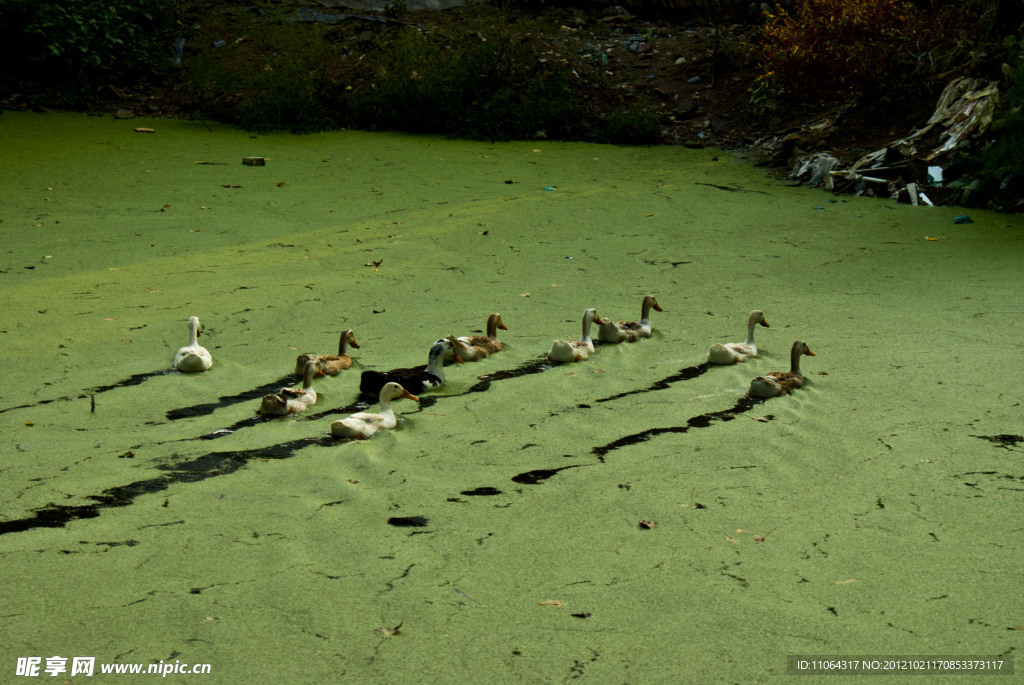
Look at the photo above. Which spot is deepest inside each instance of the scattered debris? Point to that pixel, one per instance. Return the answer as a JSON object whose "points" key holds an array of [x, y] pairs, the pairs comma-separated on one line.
{"points": [[899, 169], [391, 631], [253, 161]]}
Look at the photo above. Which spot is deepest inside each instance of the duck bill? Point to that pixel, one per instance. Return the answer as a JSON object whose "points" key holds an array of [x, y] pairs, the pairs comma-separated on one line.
{"points": [[457, 357], [765, 323], [354, 343], [810, 353], [409, 396]]}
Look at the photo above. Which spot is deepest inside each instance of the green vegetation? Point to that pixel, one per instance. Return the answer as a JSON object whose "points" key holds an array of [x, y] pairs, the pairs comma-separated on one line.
{"points": [[279, 65], [993, 167], [831, 50], [475, 85], [78, 46]]}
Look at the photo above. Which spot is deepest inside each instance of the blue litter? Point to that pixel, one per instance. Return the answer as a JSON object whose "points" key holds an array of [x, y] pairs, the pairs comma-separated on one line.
{"points": [[962, 219]]}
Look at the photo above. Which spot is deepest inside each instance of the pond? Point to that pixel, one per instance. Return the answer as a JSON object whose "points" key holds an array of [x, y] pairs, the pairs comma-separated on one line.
{"points": [[633, 517]]}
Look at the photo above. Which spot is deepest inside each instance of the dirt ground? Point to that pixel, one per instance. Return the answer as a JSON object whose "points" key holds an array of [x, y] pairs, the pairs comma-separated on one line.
{"points": [[696, 74]]}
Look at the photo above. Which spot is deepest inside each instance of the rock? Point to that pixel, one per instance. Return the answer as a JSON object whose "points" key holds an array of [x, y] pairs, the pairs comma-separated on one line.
{"points": [[684, 107]]}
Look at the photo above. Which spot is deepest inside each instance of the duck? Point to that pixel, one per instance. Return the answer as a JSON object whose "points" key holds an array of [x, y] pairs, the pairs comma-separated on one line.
{"points": [[575, 350], [476, 347], [630, 331], [330, 364], [731, 353], [193, 357], [362, 425], [780, 383], [292, 400], [417, 379]]}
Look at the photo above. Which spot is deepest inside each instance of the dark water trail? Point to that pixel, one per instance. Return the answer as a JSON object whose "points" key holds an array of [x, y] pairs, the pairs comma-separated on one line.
{"points": [[201, 468], [536, 366], [228, 400], [745, 403], [137, 379], [686, 374], [538, 476]]}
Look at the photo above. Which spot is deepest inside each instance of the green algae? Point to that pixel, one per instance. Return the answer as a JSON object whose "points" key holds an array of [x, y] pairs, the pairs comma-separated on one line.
{"points": [[873, 511]]}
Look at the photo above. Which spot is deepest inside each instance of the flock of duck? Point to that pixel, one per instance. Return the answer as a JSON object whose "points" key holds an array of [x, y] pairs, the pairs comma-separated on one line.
{"points": [[406, 382]]}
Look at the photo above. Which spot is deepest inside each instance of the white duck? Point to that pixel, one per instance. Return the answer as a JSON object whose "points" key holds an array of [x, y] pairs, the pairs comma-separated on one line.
{"points": [[630, 331], [779, 382], [731, 353], [194, 357], [476, 347], [292, 400], [415, 380], [330, 364], [363, 424], [575, 350]]}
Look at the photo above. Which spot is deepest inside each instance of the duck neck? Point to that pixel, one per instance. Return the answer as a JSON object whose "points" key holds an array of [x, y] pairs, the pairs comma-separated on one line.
{"points": [[193, 332], [750, 330], [794, 361], [435, 363], [492, 326], [307, 375], [586, 329]]}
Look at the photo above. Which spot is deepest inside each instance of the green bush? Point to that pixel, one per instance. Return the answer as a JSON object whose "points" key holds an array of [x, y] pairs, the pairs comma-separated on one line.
{"points": [[478, 86], [80, 45], [994, 173], [836, 49], [272, 77]]}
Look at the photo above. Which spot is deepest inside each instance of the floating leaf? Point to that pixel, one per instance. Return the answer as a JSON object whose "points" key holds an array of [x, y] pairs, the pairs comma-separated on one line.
{"points": [[391, 631], [845, 582], [553, 603], [648, 525], [731, 540], [582, 615]]}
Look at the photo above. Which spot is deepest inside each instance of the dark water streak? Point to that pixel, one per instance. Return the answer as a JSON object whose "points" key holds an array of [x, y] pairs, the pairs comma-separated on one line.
{"points": [[228, 400], [227, 462], [137, 379], [206, 466], [745, 403], [686, 374]]}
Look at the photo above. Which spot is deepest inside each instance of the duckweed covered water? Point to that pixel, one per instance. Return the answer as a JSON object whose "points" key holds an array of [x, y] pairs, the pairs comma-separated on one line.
{"points": [[150, 516]]}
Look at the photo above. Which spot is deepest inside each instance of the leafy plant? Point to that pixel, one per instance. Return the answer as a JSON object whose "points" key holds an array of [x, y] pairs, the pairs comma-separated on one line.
{"points": [[835, 49], [79, 45], [286, 88], [475, 85], [995, 173]]}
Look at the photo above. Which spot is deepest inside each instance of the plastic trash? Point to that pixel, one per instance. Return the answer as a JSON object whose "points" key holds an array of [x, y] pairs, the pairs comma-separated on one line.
{"points": [[962, 219]]}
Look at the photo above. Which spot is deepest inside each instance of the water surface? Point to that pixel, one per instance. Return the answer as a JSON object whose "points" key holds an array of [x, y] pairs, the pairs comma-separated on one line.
{"points": [[151, 516]]}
